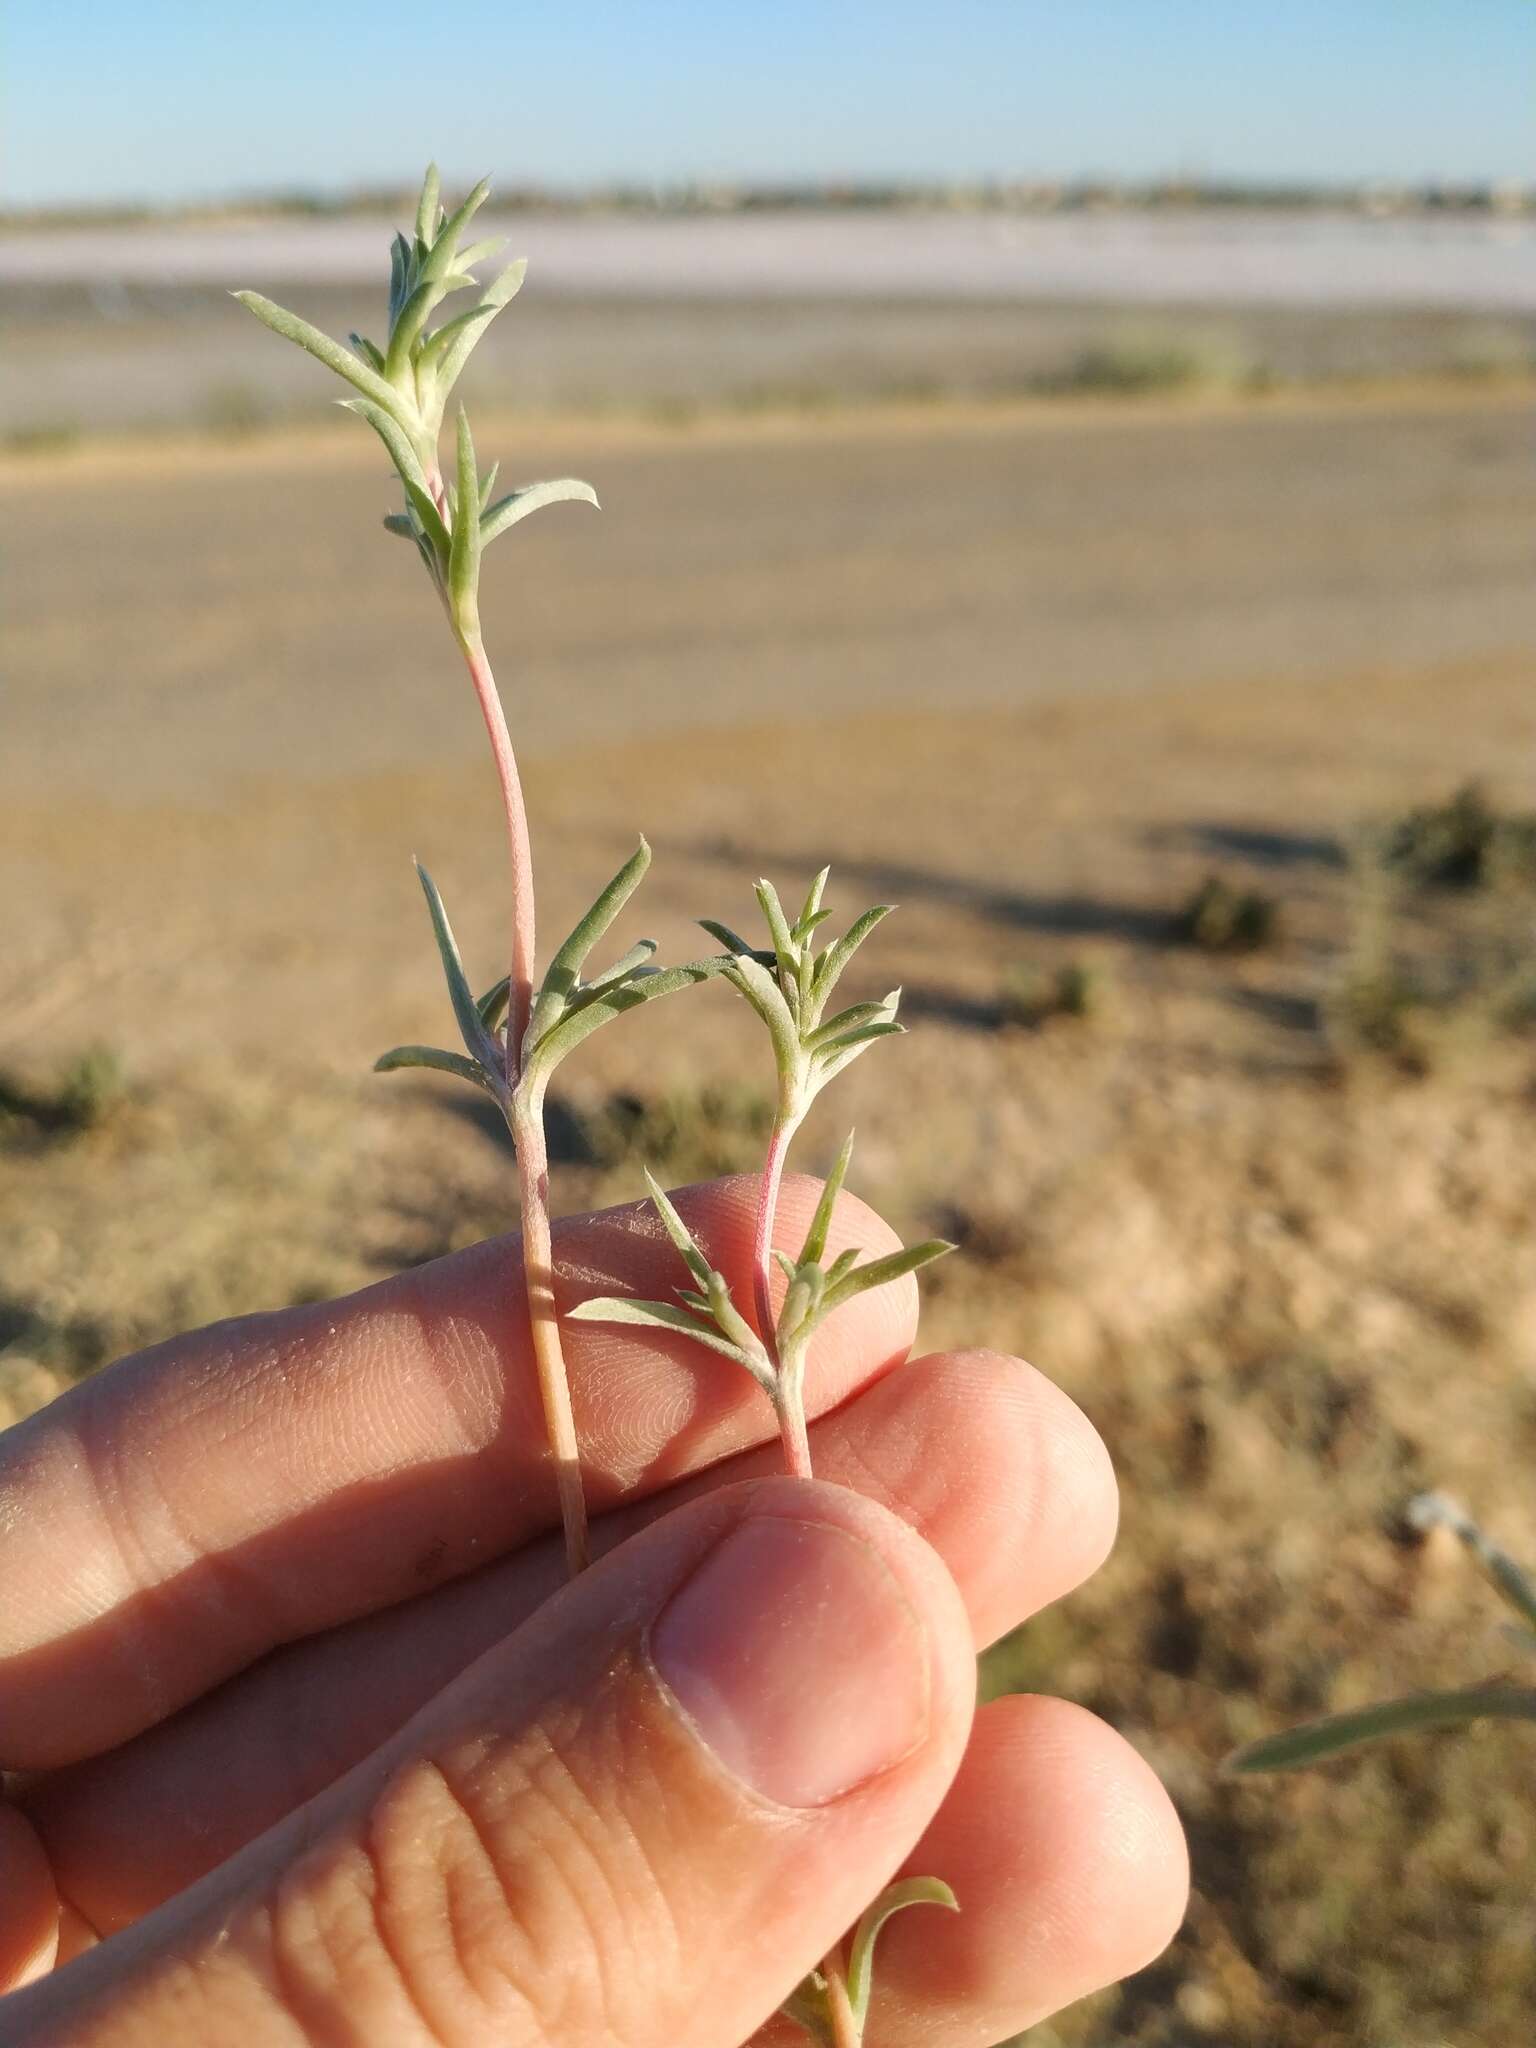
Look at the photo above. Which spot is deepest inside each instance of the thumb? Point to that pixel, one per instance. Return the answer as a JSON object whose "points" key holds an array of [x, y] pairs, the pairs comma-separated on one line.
{"points": [[635, 1823]]}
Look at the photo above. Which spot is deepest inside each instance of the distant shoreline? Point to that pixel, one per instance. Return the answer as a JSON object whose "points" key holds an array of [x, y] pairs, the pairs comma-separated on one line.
{"points": [[333, 443], [1202, 256]]}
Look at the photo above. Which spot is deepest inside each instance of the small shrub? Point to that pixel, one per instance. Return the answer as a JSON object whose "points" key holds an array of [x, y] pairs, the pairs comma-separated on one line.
{"points": [[691, 1135], [1219, 918], [1033, 994], [1463, 843], [1139, 362], [85, 1094]]}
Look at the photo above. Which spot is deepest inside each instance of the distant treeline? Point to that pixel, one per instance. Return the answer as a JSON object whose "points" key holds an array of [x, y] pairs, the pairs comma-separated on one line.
{"points": [[990, 196]]}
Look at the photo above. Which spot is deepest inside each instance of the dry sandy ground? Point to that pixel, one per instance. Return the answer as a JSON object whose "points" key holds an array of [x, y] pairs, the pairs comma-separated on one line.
{"points": [[1033, 678]]}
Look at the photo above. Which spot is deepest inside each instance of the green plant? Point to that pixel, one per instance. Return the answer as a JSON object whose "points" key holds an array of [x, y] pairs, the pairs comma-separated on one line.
{"points": [[1499, 1699], [1219, 918], [516, 1034], [1033, 994], [85, 1093], [1463, 843]]}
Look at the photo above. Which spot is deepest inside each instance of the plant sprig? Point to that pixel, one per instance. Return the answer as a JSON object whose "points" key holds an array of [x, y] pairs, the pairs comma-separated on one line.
{"points": [[515, 1035], [708, 1314]]}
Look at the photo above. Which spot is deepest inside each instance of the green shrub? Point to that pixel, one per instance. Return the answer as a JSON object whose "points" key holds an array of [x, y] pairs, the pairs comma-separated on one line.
{"points": [[1033, 994], [1219, 918], [1463, 843]]}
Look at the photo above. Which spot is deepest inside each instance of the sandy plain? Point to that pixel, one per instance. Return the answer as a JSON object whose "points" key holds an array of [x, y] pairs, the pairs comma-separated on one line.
{"points": [[1033, 672]]}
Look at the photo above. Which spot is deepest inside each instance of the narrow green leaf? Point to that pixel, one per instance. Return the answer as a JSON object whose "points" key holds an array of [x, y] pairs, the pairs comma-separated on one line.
{"points": [[821, 1222], [568, 1031], [519, 504], [761, 989], [399, 275], [855, 1041], [734, 1325], [413, 316], [847, 1020], [786, 1264], [679, 1232], [806, 2006], [397, 522], [449, 364], [477, 1040], [397, 442], [733, 942], [832, 963], [564, 971], [912, 1891], [658, 1315], [441, 339], [464, 540], [329, 352], [488, 484], [430, 520], [1315, 1741], [493, 1004], [785, 949], [433, 1056], [844, 1263], [639, 955], [369, 352], [481, 252], [881, 1272], [426, 206], [811, 912], [445, 247]]}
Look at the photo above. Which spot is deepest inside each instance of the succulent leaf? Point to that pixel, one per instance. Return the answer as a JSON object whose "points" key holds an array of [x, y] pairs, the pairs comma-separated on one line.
{"points": [[518, 504], [1316, 1741], [435, 1057]]}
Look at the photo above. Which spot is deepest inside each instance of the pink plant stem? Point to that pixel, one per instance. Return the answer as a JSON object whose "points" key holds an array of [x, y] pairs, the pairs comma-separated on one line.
{"points": [[520, 992], [762, 1242], [544, 1322], [527, 1122]]}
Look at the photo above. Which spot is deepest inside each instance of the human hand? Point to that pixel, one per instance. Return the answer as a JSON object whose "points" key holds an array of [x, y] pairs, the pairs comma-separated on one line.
{"points": [[313, 1745]]}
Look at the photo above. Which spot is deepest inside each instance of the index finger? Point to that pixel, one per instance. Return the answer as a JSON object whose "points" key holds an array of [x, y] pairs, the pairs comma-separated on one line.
{"points": [[169, 1521]]}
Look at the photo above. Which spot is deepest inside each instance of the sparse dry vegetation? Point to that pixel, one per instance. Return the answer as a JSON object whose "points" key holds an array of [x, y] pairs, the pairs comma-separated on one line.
{"points": [[1287, 1275]]}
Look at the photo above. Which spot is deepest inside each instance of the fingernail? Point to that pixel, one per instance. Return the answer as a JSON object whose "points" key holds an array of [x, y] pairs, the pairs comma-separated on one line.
{"points": [[798, 1659]]}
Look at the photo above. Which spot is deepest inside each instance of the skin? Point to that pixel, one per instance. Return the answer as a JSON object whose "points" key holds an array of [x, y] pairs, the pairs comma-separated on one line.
{"points": [[309, 1741]]}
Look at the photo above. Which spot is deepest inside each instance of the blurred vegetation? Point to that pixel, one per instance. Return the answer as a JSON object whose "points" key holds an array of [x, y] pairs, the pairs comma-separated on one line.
{"points": [[1221, 918], [1033, 994], [1155, 360]]}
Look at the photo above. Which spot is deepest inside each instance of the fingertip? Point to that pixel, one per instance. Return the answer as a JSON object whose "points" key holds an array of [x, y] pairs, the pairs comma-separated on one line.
{"points": [[1004, 1474], [1069, 1863]]}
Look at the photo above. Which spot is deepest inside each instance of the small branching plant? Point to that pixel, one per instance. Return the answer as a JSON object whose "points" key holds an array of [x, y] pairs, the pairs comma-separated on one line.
{"points": [[515, 1035]]}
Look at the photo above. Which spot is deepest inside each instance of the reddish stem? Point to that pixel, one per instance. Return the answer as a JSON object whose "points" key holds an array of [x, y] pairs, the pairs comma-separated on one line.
{"points": [[527, 1120], [544, 1323], [520, 993]]}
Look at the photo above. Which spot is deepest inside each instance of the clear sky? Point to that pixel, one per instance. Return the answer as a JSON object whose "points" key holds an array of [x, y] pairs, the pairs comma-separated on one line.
{"points": [[180, 99]]}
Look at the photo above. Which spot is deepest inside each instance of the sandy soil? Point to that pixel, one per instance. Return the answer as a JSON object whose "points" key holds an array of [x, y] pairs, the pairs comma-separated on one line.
{"points": [[1034, 681]]}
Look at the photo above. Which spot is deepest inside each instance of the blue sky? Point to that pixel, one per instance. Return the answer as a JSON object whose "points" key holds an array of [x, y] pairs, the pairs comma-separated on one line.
{"points": [[177, 99]]}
